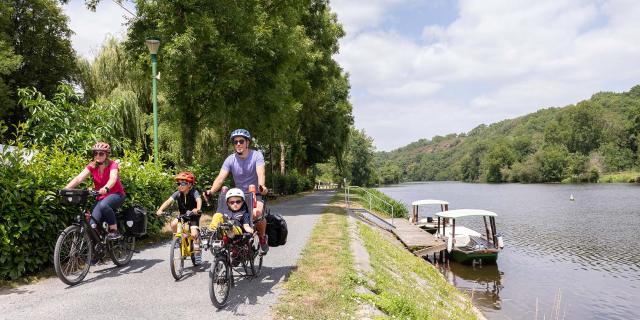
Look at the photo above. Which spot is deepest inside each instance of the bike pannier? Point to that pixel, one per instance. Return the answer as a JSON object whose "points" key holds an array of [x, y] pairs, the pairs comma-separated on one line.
{"points": [[276, 229], [135, 220], [73, 196]]}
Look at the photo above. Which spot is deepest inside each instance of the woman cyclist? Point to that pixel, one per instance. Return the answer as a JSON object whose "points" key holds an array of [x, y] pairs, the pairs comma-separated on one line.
{"points": [[106, 180], [188, 199]]}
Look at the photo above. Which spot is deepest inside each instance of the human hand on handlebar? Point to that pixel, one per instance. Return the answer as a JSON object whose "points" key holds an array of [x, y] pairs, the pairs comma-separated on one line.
{"points": [[263, 190]]}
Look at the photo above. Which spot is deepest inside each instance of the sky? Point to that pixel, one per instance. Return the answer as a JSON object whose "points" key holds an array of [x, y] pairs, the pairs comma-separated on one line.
{"points": [[434, 67]]}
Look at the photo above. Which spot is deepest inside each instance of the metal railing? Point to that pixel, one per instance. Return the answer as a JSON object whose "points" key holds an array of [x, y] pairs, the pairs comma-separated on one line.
{"points": [[347, 199]]}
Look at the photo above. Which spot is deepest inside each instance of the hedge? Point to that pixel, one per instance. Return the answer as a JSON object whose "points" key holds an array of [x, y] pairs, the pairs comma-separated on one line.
{"points": [[31, 216]]}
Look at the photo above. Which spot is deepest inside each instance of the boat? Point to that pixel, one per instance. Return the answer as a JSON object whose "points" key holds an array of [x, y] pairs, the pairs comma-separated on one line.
{"points": [[426, 222], [466, 245]]}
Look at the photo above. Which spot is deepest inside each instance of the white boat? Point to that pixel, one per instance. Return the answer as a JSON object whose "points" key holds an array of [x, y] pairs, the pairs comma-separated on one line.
{"points": [[466, 245], [424, 221]]}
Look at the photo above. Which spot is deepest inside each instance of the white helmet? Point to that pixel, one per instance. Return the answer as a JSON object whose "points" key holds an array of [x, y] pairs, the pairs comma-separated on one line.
{"points": [[235, 192]]}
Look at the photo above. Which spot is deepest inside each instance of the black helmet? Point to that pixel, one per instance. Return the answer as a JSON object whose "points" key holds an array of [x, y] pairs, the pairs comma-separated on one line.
{"points": [[240, 133]]}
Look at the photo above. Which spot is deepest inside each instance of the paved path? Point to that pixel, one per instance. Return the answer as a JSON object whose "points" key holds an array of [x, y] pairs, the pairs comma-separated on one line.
{"points": [[145, 288]]}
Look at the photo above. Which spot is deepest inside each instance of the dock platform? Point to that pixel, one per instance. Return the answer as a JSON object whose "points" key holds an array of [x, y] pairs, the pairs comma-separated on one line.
{"points": [[417, 240]]}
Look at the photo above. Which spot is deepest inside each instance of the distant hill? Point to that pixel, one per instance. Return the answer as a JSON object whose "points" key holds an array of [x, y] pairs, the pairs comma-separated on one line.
{"points": [[577, 143]]}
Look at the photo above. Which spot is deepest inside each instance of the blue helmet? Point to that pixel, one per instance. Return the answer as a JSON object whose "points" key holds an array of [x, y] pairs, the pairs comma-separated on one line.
{"points": [[240, 133]]}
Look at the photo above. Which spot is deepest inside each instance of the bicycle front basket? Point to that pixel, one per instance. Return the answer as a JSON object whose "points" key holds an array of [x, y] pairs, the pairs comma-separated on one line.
{"points": [[73, 196]]}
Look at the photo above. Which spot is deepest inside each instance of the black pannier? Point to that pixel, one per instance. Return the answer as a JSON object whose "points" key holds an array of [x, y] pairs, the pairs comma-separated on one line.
{"points": [[276, 229], [135, 220], [73, 196]]}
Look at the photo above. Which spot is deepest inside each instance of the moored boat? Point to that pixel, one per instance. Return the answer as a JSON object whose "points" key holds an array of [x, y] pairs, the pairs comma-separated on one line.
{"points": [[468, 246], [424, 221]]}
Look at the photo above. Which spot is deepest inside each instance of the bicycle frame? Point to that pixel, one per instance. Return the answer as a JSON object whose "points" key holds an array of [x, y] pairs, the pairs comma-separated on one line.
{"points": [[187, 238]]}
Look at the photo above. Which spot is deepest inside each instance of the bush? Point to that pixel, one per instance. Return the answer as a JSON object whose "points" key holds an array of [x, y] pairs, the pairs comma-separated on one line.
{"points": [[399, 209], [31, 216], [290, 183]]}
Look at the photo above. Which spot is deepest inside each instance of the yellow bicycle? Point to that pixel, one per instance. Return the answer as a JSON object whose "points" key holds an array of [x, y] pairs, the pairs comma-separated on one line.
{"points": [[182, 246]]}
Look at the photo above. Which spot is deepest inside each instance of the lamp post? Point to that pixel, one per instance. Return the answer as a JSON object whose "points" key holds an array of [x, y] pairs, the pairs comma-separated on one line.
{"points": [[153, 45]]}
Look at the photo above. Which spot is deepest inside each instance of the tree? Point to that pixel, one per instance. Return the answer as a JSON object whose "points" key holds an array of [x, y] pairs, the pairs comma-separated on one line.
{"points": [[584, 125], [9, 62], [41, 37], [359, 158]]}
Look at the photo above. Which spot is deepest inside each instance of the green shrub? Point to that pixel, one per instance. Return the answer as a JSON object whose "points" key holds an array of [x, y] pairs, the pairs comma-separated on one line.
{"points": [[31, 216], [399, 209], [290, 183]]}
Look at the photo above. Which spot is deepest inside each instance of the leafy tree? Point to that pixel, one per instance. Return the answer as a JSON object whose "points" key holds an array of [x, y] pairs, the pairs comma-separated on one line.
{"points": [[584, 124], [359, 158], [499, 156], [40, 35], [552, 162], [9, 62]]}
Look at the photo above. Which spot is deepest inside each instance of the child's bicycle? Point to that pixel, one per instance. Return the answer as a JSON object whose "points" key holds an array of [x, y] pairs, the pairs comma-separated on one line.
{"points": [[79, 245], [182, 246], [241, 253]]}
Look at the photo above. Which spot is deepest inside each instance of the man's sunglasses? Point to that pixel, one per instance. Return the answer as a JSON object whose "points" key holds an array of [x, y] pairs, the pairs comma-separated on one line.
{"points": [[99, 153], [235, 202], [182, 183], [239, 141]]}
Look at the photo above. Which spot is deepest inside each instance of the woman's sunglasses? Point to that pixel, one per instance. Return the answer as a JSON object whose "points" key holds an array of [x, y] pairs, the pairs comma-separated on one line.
{"points": [[182, 183], [234, 202], [99, 153]]}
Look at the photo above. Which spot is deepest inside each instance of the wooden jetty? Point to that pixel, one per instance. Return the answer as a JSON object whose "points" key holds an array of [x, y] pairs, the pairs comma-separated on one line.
{"points": [[418, 241]]}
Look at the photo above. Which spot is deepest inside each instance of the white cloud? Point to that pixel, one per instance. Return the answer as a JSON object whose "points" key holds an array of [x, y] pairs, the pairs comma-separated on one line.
{"points": [[498, 59], [92, 28]]}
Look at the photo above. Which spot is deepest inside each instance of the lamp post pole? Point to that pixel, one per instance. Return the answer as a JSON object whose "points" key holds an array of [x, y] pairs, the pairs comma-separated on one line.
{"points": [[153, 45]]}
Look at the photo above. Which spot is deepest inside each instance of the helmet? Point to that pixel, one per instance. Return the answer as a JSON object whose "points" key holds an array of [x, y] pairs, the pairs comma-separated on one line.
{"points": [[235, 192], [101, 146], [186, 175], [240, 133]]}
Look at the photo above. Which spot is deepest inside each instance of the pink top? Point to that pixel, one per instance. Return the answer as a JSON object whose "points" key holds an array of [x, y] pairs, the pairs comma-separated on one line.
{"points": [[100, 180]]}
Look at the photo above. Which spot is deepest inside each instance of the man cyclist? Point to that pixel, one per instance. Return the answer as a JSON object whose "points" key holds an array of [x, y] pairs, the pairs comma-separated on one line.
{"points": [[247, 167]]}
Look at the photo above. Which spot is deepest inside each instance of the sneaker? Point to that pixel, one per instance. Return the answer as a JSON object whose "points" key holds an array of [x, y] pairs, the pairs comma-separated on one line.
{"points": [[114, 236], [264, 246], [198, 258]]}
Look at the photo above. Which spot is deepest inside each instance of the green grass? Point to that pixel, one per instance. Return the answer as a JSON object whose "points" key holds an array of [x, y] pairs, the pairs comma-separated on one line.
{"points": [[323, 285], [619, 177], [377, 206], [406, 287]]}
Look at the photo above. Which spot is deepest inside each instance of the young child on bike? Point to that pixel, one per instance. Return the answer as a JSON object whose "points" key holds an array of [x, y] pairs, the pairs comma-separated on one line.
{"points": [[188, 199], [239, 214]]}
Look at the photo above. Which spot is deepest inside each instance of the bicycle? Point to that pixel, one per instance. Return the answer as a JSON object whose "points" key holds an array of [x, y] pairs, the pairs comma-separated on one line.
{"points": [[181, 246], [229, 253], [77, 244]]}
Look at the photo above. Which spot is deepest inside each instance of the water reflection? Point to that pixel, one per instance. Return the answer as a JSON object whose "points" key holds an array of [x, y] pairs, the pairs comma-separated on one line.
{"points": [[482, 283]]}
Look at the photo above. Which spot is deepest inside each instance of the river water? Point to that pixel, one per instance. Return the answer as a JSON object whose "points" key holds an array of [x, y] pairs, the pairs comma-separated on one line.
{"points": [[562, 259]]}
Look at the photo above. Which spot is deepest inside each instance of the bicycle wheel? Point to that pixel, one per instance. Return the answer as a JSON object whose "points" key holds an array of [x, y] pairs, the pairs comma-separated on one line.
{"points": [[72, 255], [121, 250], [176, 259], [256, 258], [220, 281]]}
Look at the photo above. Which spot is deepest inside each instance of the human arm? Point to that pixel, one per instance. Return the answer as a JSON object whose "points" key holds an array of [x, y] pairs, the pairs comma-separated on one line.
{"points": [[164, 205], [247, 228], [78, 179], [113, 177], [217, 183], [261, 180]]}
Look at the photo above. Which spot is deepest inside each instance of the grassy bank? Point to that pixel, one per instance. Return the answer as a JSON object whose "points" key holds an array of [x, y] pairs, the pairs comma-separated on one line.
{"points": [[620, 177], [322, 286], [406, 287], [379, 207]]}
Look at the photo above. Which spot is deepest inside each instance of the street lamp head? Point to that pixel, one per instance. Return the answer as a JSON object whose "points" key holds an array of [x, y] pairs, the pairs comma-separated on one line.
{"points": [[153, 45]]}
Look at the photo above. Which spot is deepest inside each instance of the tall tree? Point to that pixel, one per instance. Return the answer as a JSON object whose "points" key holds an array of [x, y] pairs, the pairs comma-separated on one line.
{"points": [[39, 33]]}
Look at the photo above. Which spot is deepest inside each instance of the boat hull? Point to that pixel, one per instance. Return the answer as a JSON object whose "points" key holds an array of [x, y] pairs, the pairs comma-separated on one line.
{"points": [[468, 257]]}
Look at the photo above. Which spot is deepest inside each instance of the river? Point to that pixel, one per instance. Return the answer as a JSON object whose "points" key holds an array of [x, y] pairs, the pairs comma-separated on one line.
{"points": [[562, 259]]}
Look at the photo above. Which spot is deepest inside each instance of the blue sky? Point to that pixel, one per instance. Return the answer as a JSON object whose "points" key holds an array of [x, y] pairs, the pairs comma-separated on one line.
{"points": [[434, 67]]}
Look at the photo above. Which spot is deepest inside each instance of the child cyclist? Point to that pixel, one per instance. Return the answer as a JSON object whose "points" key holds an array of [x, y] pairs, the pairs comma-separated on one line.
{"points": [[188, 199], [239, 215]]}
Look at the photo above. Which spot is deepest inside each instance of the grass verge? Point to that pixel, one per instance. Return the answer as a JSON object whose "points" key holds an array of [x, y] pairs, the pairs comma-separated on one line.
{"points": [[620, 177], [377, 206], [322, 286], [406, 287]]}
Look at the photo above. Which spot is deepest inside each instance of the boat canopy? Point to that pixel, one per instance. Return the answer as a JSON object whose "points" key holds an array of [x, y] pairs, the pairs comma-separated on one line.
{"points": [[428, 202], [459, 213]]}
